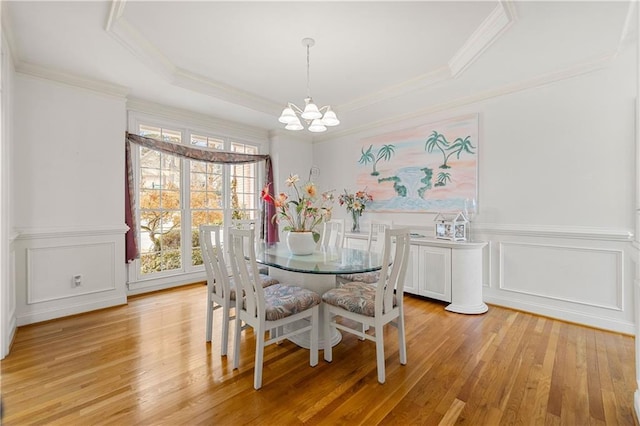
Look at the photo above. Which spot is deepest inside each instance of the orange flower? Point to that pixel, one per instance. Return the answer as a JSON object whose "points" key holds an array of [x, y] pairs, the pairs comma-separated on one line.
{"points": [[310, 189]]}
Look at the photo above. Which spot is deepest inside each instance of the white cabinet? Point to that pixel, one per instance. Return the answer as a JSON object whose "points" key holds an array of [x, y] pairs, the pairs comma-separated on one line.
{"points": [[444, 270], [429, 272]]}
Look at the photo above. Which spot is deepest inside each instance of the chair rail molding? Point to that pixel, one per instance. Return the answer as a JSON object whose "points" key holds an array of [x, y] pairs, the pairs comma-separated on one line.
{"points": [[66, 232], [554, 231]]}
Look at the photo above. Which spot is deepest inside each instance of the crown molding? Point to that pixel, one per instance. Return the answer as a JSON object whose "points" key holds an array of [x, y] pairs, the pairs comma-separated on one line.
{"points": [[125, 33], [225, 127], [198, 83], [629, 32], [7, 33], [64, 77], [589, 66], [147, 53], [417, 83], [498, 21]]}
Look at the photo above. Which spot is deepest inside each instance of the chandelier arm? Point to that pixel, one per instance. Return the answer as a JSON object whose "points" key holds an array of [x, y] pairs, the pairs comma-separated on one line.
{"points": [[295, 108]]}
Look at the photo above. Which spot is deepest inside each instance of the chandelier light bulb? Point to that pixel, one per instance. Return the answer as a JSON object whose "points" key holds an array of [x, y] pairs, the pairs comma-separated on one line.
{"points": [[294, 125], [288, 116], [311, 111], [330, 118], [317, 126]]}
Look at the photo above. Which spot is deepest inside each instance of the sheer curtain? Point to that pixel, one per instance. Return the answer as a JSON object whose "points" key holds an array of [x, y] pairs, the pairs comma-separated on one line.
{"points": [[268, 229]]}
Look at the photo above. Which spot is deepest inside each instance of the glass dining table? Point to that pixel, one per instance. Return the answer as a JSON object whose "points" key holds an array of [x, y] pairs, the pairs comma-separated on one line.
{"points": [[316, 272]]}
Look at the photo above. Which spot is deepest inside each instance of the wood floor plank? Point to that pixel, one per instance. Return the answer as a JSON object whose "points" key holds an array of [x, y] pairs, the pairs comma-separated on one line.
{"points": [[147, 363]]}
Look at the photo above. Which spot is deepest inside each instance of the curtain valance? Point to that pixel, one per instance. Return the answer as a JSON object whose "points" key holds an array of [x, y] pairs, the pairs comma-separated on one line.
{"points": [[268, 229]]}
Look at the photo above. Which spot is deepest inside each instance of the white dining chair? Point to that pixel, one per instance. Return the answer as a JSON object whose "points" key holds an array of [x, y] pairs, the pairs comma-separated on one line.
{"points": [[375, 244], [332, 233], [221, 287], [269, 308], [220, 293], [250, 224], [373, 305]]}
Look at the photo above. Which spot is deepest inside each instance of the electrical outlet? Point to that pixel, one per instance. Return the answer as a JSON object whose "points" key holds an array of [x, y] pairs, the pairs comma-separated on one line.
{"points": [[77, 280]]}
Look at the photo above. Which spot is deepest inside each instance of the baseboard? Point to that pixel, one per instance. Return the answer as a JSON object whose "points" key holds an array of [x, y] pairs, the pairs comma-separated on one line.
{"points": [[54, 313], [580, 318]]}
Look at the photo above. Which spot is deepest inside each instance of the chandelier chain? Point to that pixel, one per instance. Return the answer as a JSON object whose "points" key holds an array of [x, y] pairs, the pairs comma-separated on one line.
{"points": [[308, 78]]}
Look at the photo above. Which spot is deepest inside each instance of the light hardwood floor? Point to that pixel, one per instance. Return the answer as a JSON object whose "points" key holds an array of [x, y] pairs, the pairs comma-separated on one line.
{"points": [[147, 363]]}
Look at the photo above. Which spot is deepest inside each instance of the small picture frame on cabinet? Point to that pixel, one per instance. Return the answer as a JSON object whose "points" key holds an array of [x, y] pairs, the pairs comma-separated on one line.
{"points": [[452, 226]]}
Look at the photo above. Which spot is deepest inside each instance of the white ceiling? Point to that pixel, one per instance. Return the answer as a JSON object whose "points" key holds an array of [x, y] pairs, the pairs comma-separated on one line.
{"points": [[372, 61]]}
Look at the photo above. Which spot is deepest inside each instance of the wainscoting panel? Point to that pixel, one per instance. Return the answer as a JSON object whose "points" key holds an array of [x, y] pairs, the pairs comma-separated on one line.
{"points": [[581, 275], [51, 276], [62, 272], [567, 273]]}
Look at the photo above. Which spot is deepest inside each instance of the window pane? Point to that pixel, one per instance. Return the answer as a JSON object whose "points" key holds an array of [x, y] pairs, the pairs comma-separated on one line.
{"points": [[206, 142], [159, 198], [243, 191]]}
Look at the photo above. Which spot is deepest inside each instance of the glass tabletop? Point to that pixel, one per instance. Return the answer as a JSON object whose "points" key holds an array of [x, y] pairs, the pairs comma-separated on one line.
{"points": [[323, 261]]}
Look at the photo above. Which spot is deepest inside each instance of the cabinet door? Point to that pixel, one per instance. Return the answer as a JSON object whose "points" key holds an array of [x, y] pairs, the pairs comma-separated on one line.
{"points": [[434, 272], [412, 276]]}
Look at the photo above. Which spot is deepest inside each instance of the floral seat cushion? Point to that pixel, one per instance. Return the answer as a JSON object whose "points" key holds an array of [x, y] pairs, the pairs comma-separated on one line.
{"points": [[284, 300], [266, 282], [354, 297], [364, 277]]}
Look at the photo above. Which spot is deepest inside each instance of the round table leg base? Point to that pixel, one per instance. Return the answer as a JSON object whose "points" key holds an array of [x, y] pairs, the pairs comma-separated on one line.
{"points": [[304, 339], [468, 309]]}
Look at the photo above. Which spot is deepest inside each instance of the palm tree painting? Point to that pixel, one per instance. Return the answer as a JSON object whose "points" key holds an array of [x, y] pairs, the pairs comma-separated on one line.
{"points": [[384, 153], [437, 140], [442, 179], [431, 167], [458, 146]]}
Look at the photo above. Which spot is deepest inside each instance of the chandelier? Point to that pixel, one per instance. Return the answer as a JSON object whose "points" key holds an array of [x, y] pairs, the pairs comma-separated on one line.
{"points": [[311, 115]]}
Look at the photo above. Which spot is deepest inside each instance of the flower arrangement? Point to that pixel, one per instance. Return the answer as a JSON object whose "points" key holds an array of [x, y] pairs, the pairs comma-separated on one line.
{"points": [[355, 202], [301, 210]]}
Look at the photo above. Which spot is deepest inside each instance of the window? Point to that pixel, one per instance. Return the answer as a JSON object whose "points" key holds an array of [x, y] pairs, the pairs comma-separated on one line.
{"points": [[176, 196]]}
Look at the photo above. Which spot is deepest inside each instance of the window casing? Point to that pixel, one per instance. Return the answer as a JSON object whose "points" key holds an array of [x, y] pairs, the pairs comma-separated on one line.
{"points": [[175, 196]]}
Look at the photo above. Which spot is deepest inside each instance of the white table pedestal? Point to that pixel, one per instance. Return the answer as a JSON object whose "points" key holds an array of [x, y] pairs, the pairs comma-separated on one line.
{"points": [[320, 283], [466, 281]]}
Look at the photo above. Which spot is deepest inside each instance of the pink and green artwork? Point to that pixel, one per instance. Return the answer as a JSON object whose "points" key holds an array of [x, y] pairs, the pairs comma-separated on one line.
{"points": [[432, 167]]}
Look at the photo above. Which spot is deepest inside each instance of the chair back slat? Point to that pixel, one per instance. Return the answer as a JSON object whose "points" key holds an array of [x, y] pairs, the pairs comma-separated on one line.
{"points": [[245, 271], [396, 249], [213, 259], [333, 233], [375, 239]]}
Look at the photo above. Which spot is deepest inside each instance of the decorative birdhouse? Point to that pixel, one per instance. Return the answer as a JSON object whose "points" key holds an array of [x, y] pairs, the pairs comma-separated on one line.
{"points": [[451, 226]]}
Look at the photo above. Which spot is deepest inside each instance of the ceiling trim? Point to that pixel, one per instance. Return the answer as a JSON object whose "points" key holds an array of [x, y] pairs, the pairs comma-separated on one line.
{"points": [[588, 66], [629, 33], [64, 77], [7, 33], [194, 119], [418, 83], [490, 30], [127, 35]]}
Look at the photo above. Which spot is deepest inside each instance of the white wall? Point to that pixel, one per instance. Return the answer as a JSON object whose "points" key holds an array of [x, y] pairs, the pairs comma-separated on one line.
{"points": [[68, 203], [556, 192], [291, 153], [7, 281]]}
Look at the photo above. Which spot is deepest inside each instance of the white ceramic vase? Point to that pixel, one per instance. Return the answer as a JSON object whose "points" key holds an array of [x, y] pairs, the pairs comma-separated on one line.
{"points": [[301, 243]]}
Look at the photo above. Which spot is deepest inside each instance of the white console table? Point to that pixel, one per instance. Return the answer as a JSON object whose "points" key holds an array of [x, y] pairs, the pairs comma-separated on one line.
{"points": [[443, 270]]}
